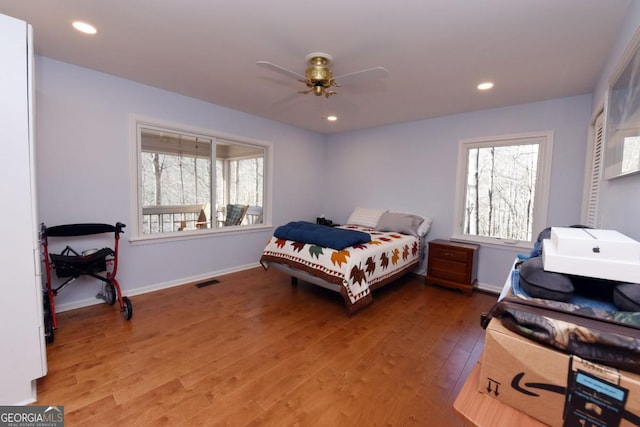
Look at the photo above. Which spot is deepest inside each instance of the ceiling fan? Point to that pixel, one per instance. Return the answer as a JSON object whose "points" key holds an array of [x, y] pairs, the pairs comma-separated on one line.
{"points": [[318, 76]]}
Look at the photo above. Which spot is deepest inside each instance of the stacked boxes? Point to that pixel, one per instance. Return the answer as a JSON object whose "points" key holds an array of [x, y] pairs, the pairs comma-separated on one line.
{"points": [[553, 387]]}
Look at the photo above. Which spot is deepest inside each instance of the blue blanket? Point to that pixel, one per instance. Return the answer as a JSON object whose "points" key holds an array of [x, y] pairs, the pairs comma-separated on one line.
{"points": [[321, 235]]}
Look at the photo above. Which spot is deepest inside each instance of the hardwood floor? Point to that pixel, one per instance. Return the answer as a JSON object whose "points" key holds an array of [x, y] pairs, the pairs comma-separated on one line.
{"points": [[253, 350]]}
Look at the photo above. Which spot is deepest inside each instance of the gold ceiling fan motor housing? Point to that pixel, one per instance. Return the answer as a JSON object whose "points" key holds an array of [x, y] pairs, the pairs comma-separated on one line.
{"points": [[319, 76]]}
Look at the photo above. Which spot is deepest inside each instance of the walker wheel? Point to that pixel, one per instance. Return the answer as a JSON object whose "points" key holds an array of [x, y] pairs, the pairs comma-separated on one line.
{"points": [[48, 319], [128, 308], [48, 329], [109, 293]]}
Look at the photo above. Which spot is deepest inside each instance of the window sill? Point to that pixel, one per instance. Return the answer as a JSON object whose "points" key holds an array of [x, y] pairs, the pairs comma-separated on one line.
{"points": [[197, 234], [511, 245]]}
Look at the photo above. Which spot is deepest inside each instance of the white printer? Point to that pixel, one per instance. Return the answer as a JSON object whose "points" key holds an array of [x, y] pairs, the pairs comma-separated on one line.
{"points": [[603, 254]]}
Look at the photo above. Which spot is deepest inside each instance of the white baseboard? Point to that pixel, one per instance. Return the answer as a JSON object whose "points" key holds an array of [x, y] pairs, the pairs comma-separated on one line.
{"points": [[489, 288], [155, 287]]}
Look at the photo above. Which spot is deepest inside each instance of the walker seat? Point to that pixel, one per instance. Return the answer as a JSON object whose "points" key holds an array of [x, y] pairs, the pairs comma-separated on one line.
{"points": [[78, 265]]}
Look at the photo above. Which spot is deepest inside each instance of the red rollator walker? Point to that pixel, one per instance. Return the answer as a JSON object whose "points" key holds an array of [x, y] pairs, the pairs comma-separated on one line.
{"points": [[70, 265]]}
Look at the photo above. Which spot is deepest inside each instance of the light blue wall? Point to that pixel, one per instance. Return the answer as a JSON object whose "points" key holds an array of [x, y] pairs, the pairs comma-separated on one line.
{"points": [[412, 167], [84, 171], [619, 207], [83, 150]]}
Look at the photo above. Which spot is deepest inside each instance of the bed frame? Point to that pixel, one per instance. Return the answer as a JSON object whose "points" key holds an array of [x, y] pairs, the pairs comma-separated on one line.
{"points": [[310, 278]]}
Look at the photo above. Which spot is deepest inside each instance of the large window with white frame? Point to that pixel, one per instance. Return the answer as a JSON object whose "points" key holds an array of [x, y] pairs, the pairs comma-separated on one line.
{"points": [[193, 180], [502, 188]]}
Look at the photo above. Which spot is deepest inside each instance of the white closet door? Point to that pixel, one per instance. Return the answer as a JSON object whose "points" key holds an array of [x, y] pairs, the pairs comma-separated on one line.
{"points": [[22, 359]]}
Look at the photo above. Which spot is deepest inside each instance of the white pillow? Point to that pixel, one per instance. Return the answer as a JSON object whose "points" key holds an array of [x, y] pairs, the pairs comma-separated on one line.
{"points": [[424, 227], [366, 217]]}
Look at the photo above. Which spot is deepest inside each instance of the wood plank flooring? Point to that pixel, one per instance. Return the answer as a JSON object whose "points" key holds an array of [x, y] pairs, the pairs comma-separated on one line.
{"points": [[253, 350]]}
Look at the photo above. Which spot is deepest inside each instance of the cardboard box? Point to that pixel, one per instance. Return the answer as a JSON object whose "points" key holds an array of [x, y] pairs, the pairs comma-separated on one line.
{"points": [[544, 383], [603, 254]]}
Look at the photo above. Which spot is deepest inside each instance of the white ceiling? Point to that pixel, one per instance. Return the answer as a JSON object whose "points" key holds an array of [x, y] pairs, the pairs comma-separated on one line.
{"points": [[436, 51]]}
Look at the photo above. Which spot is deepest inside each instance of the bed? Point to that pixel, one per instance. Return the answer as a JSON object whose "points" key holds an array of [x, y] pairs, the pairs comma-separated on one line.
{"points": [[394, 246]]}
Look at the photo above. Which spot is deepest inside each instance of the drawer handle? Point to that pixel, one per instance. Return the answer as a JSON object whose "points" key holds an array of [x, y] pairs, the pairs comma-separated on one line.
{"points": [[449, 254]]}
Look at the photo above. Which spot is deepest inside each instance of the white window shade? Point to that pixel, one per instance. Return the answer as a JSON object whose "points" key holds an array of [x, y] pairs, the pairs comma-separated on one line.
{"points": [[594, 177]]}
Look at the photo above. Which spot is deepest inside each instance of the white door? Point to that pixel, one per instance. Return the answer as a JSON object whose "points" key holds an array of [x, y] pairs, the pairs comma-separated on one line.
{"points": [[22, 358]]}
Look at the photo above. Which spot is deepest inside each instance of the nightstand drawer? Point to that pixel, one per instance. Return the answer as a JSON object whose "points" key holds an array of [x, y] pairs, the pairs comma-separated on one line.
{"points": [[448, 270], [449, 253]]}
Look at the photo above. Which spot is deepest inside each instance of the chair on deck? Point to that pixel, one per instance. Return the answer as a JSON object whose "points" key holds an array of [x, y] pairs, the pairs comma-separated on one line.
{"points": [[234, 214], [254, 215]]}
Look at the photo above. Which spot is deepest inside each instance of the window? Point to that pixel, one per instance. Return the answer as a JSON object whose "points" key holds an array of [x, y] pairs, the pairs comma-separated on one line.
{"points": [[502, 189], [179, 190]]}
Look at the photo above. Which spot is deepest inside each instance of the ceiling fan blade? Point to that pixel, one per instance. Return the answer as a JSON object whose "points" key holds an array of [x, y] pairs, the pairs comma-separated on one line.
{"points": [[369, 73], [278, 69]]}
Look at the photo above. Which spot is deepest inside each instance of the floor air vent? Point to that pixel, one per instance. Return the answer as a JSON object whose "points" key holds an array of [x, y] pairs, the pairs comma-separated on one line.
{"points": [[207, 283]]}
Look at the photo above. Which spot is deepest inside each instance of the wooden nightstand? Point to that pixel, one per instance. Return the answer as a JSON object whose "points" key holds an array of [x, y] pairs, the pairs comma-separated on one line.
{"points": [[453, 264]]}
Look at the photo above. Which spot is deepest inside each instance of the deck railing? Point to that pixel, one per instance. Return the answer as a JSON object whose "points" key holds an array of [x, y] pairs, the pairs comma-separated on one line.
{"points": [[168, 218]]}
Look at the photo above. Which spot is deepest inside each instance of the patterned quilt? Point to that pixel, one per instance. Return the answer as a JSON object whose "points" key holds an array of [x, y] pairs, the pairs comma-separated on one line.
{"points": [[358, 268]]}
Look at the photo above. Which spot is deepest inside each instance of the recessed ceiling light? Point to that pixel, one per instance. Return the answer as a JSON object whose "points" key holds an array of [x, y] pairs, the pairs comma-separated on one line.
{"points": [[332, 118], [485, 86], [83, 27]]}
